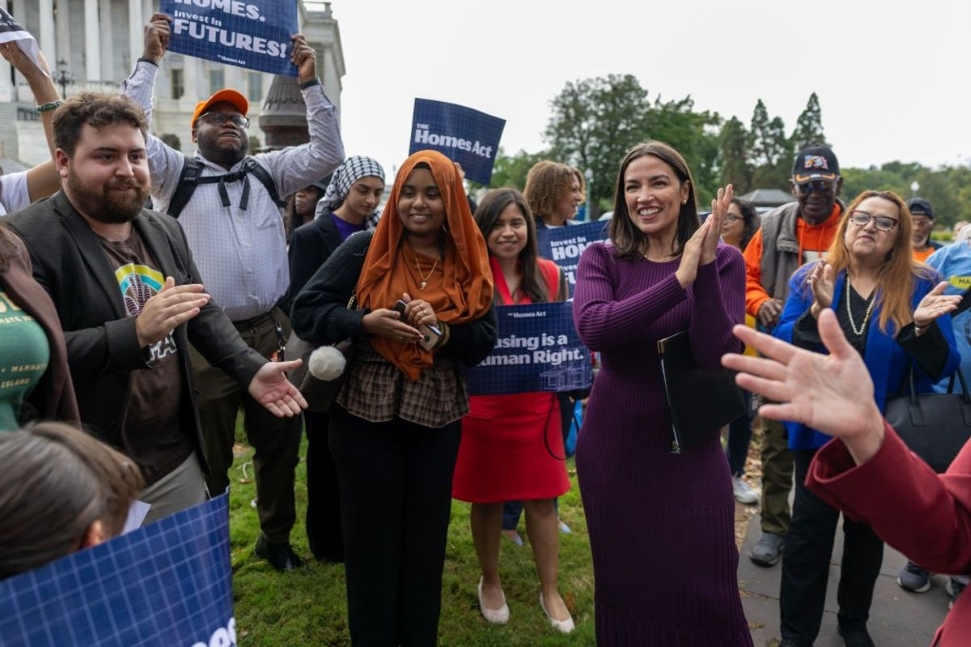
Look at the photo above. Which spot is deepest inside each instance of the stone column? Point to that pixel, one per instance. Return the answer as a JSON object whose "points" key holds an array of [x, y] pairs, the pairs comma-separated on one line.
{"points": [[45, 35], [136, 35], [92, 38]]}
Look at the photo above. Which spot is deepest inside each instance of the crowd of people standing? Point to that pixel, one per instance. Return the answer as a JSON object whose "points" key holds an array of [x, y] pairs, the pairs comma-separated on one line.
{"points": [[150, 329]]}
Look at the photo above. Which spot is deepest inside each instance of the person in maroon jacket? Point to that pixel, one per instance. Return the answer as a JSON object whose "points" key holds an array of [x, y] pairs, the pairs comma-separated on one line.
{"points": [[866, 470]]}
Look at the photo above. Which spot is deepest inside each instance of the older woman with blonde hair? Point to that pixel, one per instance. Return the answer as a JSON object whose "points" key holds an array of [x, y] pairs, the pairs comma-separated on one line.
{"points": [[893, 312]]}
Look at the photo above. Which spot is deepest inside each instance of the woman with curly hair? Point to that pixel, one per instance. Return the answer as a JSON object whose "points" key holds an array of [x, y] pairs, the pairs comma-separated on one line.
{"points": [[554, 192]]}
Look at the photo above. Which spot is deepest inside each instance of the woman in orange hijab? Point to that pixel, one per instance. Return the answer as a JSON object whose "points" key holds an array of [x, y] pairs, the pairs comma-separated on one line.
{"points": [[396, 423]]}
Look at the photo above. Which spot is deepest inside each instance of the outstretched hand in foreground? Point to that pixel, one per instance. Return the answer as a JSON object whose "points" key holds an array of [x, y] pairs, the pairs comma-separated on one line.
{"points": [[830, 393]]}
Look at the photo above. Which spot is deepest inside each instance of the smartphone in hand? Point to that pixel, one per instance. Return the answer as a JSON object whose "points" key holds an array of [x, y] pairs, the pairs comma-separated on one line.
{"points": [[429, 334]]}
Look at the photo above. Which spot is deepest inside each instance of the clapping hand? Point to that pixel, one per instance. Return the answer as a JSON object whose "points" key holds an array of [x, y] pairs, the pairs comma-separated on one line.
{"points": [[934, 304], [821, 280], [703, 244], [719, 209]]}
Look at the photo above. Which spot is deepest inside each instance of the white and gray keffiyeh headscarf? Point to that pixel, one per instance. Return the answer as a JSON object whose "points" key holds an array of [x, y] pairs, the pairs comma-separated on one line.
{"points": [[350, 171]]}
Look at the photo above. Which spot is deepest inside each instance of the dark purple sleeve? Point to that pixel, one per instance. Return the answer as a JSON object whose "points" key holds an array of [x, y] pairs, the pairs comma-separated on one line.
{"points": [[718, 304], [604, 322]]}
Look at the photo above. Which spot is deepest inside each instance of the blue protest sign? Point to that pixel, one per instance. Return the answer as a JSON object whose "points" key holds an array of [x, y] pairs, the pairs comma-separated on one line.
{"points": [[462, 134], [563, 245], [254, 34], [168, 583], [538, 350]]}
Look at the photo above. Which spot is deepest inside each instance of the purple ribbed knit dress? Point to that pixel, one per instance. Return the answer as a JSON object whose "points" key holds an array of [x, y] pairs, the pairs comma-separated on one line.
{"points": [[661, 525]]}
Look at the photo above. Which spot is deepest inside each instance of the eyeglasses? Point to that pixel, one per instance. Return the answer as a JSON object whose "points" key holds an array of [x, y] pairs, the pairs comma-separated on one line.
{"points": [[733, 218], [222, 118], [922, 221], [823, 186], [862, 219]]}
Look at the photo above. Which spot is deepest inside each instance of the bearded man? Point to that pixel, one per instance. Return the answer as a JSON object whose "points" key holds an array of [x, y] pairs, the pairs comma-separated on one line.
{"points": [[130, 301]]}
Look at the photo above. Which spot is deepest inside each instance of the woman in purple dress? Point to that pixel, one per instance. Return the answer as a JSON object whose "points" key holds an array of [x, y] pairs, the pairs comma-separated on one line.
{"points": [[661, 524]]}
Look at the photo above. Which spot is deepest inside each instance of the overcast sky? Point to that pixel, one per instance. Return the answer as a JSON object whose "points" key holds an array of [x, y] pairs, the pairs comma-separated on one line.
{"points": [[892, 79]]}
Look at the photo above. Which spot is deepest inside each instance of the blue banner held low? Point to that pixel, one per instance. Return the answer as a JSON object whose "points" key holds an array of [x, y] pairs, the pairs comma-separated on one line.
{"points": [[462, 134], [538, 349], [564, 245], [163, 585], [254, 34]]}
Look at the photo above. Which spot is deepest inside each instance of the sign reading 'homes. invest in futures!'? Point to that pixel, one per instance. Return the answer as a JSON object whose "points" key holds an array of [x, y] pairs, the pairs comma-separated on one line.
{"points": [[254, 34]]}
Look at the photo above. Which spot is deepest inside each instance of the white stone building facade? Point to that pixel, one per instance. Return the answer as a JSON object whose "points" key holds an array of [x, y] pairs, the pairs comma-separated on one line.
{"points": [[95, 43]]}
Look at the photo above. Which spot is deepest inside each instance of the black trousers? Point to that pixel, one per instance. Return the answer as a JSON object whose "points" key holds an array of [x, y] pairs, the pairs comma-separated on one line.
{"points": [[324, 532], [805, 564], [276, 440], [396, 495]]}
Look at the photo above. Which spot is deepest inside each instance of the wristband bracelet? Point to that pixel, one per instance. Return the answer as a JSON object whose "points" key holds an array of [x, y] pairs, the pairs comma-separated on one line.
{"points": [[50, 105]]}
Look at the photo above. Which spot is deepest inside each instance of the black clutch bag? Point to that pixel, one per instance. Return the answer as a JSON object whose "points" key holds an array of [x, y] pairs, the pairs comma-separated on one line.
{"points": [[700, 402]]}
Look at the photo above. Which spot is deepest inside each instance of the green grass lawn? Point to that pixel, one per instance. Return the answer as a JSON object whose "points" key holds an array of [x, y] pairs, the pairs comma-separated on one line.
{"points": [[308, 607]]}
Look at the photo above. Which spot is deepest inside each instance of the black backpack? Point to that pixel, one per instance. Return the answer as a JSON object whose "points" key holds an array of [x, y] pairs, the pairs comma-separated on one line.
{"points": [[189, 179]]}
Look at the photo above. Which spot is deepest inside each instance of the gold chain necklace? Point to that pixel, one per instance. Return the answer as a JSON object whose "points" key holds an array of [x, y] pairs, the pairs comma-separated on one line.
{"points": [[424, 279], [849, 313]]}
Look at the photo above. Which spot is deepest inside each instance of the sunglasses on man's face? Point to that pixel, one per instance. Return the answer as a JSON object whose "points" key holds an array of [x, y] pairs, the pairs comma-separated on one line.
{"points": [[822, 186], [222, 118]]}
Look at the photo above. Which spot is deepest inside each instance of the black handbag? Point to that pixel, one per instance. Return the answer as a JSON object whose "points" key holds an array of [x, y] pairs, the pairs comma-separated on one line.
{"points": [[700, 402], [934, 426]]}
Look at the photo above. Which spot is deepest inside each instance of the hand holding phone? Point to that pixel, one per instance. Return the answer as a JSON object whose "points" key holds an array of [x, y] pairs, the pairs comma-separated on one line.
{"points": [[429, 334]]}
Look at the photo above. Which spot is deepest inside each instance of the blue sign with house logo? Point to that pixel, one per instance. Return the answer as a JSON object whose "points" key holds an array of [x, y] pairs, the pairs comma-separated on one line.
{"points": [[462, 134], [538, 349]]}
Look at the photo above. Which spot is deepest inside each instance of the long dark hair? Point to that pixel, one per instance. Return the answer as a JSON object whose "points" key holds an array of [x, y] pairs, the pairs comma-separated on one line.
{"points": [[751, 221], [486, 217], [629, 241]]}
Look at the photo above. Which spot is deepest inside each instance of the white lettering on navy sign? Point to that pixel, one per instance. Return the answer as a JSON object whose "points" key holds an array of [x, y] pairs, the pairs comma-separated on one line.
{"points": [[215, 34], [233, 7], [570, 248], [222, 637], [424, 135]]}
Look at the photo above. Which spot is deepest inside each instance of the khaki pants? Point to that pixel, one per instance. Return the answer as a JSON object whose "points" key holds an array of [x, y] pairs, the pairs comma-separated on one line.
{"points": [[776, 478]]}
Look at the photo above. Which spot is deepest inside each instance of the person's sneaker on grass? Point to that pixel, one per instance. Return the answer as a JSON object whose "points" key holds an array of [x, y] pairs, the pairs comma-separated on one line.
{"points": [[743, 492], [957, 586], [767, 549], [915, 579]]}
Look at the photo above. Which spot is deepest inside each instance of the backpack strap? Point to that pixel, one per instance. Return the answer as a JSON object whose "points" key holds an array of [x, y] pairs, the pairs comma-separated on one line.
{"points": [[259, 171], [185, 187], [190, 179]]}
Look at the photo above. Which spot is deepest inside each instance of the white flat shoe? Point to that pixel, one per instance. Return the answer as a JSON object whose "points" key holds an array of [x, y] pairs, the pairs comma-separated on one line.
{"points": [[498, 616], [563, 626]]}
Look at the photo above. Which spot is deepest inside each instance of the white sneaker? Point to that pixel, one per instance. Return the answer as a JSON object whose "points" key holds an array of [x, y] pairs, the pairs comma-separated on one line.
{"points": [[743, 493]]}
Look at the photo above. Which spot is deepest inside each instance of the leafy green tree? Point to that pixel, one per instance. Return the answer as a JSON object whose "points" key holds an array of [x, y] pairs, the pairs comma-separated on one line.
{"points": [[511, 171], [809, 126], [734, 151], [593, 124], [771, 151], [694, 135]]}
